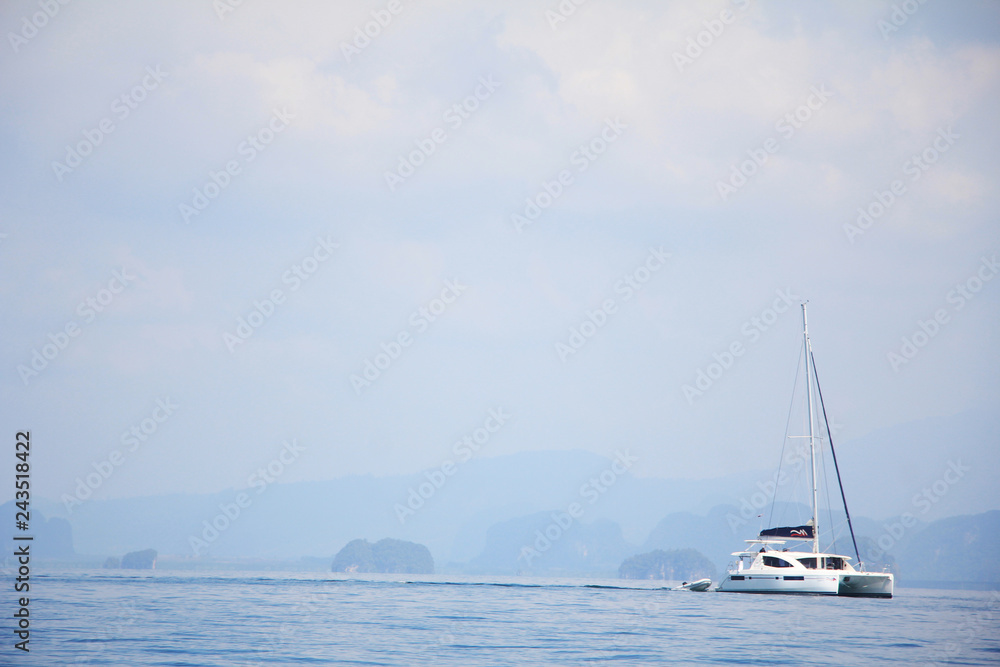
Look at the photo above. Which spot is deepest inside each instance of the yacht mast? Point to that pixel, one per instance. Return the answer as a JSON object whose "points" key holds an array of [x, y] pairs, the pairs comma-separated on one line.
{"points": [[812, 441]]}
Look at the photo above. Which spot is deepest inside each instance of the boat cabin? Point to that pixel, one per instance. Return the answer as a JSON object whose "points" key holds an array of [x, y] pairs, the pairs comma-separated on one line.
{"points": [[769, 557], [809, 562]]}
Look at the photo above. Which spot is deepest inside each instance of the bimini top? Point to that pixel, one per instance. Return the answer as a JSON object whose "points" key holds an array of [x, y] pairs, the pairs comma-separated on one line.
{"points": [[805, 532]]}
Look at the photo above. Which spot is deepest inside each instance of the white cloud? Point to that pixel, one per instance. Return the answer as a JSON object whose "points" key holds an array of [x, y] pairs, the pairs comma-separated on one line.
{"points": [[924, 86]]}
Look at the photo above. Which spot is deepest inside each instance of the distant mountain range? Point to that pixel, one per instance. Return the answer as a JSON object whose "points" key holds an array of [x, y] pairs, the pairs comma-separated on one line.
{"points": [[675, 565], [495, 515], [955, 551], [551, 543], [961, 547]]}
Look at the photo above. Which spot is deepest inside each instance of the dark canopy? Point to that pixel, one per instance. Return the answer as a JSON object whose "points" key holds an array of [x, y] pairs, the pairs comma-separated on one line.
{"points": [[794, 532]]}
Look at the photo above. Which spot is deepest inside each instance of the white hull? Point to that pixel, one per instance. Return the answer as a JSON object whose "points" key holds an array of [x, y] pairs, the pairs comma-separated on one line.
{"points": [[748, 581], [866, 584], [851, 584]]}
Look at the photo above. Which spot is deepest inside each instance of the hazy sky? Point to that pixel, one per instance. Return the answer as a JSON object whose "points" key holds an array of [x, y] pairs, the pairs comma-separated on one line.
{"points": [[459, 190]]}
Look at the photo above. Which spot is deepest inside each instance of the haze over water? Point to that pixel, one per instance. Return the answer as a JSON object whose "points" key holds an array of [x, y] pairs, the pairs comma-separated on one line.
{"points": [[280, 277]]}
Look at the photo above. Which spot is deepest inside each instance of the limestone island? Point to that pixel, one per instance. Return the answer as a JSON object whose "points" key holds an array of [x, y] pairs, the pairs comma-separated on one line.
{"points": [[134, 560], [386, 556]]}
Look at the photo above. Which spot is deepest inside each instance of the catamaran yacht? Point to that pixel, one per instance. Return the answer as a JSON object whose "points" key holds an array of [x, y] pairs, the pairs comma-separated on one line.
{"points": [[767, 566]]}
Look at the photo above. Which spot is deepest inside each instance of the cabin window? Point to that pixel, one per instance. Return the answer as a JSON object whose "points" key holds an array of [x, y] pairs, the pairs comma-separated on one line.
{"points": [[771, 561], [808, 563], [834, 563]]}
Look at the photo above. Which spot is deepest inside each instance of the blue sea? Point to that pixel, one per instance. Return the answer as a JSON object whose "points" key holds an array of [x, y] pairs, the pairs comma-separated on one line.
{"points": [[179, 618]]}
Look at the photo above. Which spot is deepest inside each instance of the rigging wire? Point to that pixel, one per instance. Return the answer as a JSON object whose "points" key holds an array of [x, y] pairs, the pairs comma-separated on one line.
{"points": [[836, 467], [826, 487], [829, 507], [784, 440]]}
